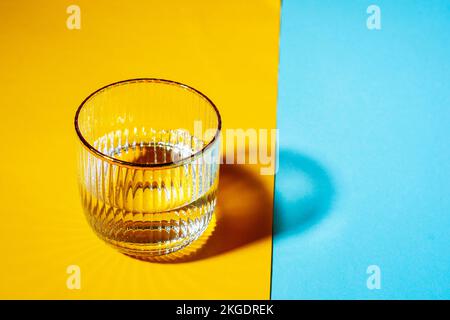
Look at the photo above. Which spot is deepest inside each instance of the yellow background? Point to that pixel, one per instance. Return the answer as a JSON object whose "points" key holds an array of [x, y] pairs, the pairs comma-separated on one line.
{"points": [[226, 49]]}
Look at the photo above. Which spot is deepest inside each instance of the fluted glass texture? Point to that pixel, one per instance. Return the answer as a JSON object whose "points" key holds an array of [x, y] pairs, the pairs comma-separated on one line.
{"points": [[148, 164]]}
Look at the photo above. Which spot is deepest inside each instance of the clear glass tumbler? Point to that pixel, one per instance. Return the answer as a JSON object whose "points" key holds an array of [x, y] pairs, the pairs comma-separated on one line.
{"points": [[148, 164]]}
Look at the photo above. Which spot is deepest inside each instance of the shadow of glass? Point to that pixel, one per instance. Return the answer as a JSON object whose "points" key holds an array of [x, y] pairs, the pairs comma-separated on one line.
{"points": [[245, 209], [243, 215], [304, 193]]}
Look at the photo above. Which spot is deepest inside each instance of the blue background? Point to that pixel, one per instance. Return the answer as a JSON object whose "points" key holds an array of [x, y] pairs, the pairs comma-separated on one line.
{"points": [[364, 177]]}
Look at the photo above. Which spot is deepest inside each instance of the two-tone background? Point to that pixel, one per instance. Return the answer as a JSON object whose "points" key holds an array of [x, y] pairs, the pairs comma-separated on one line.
{"points": [[359, 91]]}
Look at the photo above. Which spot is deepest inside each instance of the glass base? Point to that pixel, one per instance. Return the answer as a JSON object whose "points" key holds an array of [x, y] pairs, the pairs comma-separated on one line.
{"points": [[163, 252]]}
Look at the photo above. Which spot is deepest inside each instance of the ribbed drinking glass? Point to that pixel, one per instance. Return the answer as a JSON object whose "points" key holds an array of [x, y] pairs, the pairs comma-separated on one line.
{"points": [[148, 164]]}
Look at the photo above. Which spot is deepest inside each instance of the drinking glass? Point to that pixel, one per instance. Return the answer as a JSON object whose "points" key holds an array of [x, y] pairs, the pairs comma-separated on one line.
{"points": [[148, 164]]}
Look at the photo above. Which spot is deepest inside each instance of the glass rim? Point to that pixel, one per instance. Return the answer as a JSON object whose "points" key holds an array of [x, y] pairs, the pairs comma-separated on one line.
{"points": [[123, 163]]}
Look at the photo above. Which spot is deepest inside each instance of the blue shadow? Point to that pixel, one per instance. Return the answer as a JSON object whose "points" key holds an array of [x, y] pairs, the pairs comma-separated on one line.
{"points": [[304, 193]]}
